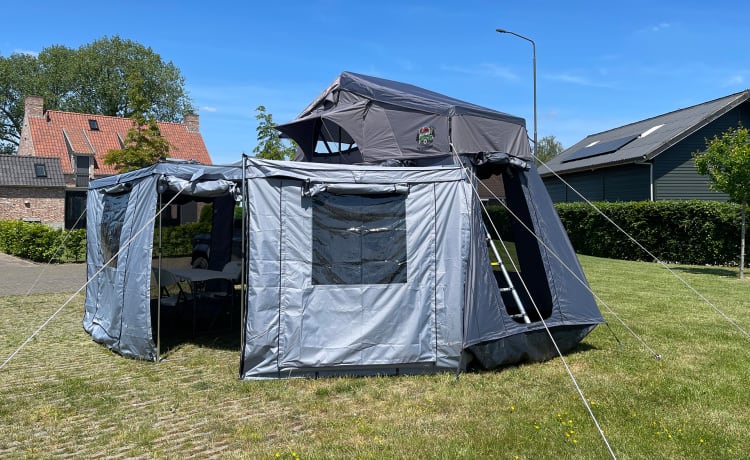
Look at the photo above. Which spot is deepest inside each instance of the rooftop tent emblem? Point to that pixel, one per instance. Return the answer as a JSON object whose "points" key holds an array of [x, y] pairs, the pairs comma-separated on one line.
{"points": [[426, 136]]}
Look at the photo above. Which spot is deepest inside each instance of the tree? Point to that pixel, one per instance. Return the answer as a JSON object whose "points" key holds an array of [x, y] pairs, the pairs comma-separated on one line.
{"points": [[726, 161], [548, 147], [270, 144], [90, 79], [144, 144]]}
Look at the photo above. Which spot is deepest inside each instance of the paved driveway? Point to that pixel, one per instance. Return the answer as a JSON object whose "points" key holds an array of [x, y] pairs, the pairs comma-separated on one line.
{"points": [[18, 277]]}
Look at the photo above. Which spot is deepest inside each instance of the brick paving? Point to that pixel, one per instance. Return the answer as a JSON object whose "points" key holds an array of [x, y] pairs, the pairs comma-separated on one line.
{"points": [[72, 398], [19, 277]]}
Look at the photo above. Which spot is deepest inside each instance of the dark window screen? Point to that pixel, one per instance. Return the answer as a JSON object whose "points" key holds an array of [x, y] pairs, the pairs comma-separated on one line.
{"points": [[359, 239], [110, 230]]}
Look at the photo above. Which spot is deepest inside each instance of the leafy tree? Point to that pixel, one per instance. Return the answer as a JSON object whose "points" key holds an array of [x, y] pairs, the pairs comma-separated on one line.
{"points": [[90, 79], [270, 144], [18, 76], [726, 161], [547, 148], [144, 144]]}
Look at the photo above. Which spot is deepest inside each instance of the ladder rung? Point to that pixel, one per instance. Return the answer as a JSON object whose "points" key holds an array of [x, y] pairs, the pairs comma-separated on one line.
{"points": [[508, 289]]}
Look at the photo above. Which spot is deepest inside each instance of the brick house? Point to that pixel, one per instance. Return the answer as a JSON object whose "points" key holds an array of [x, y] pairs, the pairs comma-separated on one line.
{"points": [[32, 189], [80, 141]]}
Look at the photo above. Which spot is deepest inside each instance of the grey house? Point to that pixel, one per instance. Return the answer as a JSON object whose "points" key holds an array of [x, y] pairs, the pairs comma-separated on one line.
{"points": [[647, 160]]}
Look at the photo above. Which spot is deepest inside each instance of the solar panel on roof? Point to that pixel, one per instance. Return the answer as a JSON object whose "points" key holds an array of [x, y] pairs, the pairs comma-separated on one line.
{"points": [[601, 148]]}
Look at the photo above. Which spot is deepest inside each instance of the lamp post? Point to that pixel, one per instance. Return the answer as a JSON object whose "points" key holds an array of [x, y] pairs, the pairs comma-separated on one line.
{"points": [[533, 47]]}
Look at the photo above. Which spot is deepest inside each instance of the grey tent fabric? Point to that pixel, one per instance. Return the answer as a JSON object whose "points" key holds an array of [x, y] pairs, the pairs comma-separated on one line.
{"points": [[387, 119], [120, 217], [302, 323], [361, 269]]}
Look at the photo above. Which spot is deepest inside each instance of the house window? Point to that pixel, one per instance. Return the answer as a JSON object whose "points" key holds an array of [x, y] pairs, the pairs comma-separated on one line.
{"points": [[83, 163], [94, 125], [75, 209], [40, 169], [359, 239]]}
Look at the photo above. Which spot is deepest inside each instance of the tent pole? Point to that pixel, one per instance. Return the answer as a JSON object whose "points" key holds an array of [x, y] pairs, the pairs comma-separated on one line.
{"points": [[158, 294], [511, 288], [243, 274]]}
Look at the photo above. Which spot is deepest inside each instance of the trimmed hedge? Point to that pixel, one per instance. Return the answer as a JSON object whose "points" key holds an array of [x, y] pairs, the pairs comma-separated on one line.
{"points": [[41, 243], [686, 232], [177, 241]]}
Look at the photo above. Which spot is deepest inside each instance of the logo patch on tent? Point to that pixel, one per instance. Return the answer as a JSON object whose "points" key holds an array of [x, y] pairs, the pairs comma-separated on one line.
{"points": [[425, 136]]}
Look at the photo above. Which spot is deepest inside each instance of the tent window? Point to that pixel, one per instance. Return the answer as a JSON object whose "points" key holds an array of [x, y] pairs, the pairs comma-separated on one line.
{"points": [[113, 218], [333, 140], [359, 239]]}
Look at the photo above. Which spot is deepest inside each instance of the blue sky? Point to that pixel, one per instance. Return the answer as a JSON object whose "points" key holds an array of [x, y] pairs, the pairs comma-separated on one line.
{"points": [[598, 66]]}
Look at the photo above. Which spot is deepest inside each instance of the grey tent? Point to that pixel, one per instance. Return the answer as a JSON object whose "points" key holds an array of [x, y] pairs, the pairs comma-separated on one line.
{"points": [[120, 226], [370, 254]]}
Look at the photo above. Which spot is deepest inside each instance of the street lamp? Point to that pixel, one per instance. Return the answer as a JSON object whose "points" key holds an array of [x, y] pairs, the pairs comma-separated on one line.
{"points": [[533, 47]]}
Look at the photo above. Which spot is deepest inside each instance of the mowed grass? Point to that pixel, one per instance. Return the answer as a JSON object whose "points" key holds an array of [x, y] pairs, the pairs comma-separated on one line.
{"points": [[65, 396]]}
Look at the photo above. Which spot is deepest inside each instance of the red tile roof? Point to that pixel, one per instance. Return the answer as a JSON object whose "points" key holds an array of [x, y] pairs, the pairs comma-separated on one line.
{"points": [[58, 134]]}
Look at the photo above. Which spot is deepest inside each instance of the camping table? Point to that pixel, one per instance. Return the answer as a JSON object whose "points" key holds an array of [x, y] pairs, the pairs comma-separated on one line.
{"points": [[196, 275]]}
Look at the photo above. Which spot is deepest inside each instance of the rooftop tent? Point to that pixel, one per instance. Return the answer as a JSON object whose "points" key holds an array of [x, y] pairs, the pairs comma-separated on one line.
{"points": [[367, 120], [363, 269], [363, 119], [120, 216]]}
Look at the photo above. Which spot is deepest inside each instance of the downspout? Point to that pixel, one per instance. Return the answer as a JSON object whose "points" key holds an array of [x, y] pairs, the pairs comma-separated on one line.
{"points": [[650, 164]]}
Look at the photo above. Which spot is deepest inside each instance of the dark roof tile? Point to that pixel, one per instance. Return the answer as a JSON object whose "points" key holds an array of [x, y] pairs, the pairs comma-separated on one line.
{"points": [[20, 171]]}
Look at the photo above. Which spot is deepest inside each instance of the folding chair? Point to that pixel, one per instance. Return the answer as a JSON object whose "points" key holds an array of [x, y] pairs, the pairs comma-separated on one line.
{"points": [[223, 289], [165, 281]]}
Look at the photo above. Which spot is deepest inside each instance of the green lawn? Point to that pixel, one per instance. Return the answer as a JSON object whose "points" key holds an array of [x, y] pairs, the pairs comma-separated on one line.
{"points": [[65, 396]]}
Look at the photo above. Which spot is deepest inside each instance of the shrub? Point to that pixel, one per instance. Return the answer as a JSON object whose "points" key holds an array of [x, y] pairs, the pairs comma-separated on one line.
{"points": [[177, 241], [41, 243], [688, 232]]}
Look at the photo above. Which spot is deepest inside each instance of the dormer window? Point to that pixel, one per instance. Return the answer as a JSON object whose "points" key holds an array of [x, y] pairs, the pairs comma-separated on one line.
{"points": [[40, 170], [93, 125]]}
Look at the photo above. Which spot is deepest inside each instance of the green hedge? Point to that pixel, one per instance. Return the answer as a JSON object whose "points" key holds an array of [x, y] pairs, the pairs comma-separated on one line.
{"points": [[41, 243], [687, 232], [177, 241]]}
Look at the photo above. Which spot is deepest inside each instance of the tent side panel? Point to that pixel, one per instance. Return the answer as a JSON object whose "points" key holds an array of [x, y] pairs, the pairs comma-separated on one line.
{"points": [[473, 134], [299, 323], [120, 233], [573, 302], [553, 275], [261, 345], [452, 203]]}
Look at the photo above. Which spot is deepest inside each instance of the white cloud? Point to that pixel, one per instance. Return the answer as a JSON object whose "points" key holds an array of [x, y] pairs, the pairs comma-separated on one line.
{"points": [[577, 80], [483, 70], [661, 26], [735, 80], [207, 108], [30, 53]]}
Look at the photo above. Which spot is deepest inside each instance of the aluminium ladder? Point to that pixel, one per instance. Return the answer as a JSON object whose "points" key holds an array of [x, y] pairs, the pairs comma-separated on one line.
{"points": [[509, 288]]}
